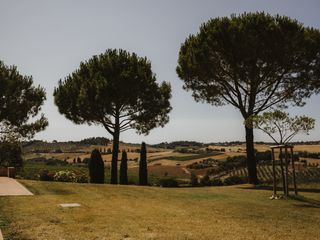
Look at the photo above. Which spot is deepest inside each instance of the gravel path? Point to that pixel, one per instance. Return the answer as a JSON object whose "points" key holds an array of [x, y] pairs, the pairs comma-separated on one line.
{"points": [[11, 187]]}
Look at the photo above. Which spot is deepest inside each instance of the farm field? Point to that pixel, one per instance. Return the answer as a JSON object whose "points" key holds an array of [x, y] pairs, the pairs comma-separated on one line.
{"points": [[161, 162], [131, 212]]}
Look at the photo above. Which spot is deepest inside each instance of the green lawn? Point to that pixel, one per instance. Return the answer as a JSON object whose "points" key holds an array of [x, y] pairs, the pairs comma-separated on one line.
{"points": [[133, 212]]}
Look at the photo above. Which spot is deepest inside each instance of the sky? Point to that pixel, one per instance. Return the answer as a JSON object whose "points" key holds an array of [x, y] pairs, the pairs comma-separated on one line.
{"points": [[49, 39]]}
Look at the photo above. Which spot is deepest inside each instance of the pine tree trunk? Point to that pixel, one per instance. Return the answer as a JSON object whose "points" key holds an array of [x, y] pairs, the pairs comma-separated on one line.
{"points": [[114, 161], [251, 161]]}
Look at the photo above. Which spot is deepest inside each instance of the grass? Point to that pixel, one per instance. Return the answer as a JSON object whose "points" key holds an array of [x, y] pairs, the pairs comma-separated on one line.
{"points": [[132, 212]]}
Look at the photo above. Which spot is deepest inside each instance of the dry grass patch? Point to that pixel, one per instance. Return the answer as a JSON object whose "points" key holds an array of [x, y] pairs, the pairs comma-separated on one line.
{"points": [[119, 212]]}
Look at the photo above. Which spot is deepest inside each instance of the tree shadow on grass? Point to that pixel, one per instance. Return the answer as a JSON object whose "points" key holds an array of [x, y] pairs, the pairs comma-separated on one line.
{"points": [[303, 201], [280, 189]]}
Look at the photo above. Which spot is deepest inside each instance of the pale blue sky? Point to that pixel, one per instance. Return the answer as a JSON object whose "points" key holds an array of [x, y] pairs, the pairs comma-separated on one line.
{"points": [[48, 39]]}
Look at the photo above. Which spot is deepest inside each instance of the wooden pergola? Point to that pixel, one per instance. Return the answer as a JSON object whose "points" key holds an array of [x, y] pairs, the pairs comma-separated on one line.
{"points": [[284, 162]]}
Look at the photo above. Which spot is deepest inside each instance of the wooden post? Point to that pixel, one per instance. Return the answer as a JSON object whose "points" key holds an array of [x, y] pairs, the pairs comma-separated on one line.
{"points": [[274, 174], [286, 162], [282, 172], [293, 173]]}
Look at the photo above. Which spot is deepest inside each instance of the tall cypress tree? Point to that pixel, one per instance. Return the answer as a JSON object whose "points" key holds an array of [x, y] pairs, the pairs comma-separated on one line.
{"points": [[96, 167], [143, 170], [124, 168]]}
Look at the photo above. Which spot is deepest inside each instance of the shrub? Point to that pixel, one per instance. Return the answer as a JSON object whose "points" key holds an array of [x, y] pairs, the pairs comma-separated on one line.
{"points": [[232, 162], [10, 155], [233, 180], [143, 168], [194, 180], [55, 162], [216, 182], [81, 177], [65, 176], [86, 160], [45, 175], [205, 181], [124, 168], [96, 167], [168, 182]]}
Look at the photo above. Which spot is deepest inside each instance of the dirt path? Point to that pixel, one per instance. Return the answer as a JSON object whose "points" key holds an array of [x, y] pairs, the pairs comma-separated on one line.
{"points": [[11, 187]]}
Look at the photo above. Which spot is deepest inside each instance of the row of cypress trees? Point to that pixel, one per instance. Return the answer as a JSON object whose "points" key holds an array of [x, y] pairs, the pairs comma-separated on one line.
{"points": [[96, 167]]}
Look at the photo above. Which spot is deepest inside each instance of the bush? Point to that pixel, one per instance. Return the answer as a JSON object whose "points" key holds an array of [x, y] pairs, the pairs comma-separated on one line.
{"points": [[70, 176], [45, 175], [232, 162], [168, 182], [86, 160], [96, 167], [81, 177], [205, 181], [233, 180], [55, 162], [10, 155], [216, 182], [65, 176], [194, 180]]}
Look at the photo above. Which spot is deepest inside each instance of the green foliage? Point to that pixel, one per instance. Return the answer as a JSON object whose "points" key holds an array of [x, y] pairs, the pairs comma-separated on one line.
{"points": [[216, 182], [232, 162], [115, 83], [124, 168], [45, 175], [143, 168], [315, 155], [280, 123], [10, 154], [168, 182], [254, 56], [194, 180], [233, 180], [117, 90], [70, 176], [205, 181], [205, 163], [252, 61], [264, 157], [96, 167], [20, 101]]}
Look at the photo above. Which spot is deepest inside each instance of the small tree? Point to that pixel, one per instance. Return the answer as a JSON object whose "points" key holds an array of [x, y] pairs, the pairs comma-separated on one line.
{"points": [[286, 127], [205, 181], [124, 168], [143, 168], [280, 123], [96, 167], [10, 154], [194, 180]]}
